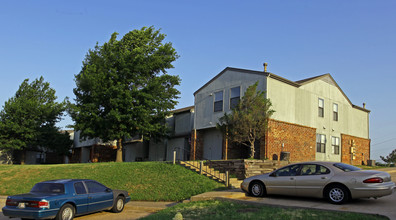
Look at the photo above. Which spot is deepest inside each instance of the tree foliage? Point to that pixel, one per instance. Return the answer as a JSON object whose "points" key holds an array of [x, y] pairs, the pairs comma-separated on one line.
{"points": [[123, 89], [28, 120], [391, 158], [248, 121]]}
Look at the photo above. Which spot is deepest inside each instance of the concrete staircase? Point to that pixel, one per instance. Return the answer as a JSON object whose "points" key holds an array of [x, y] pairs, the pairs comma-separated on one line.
{"points": [[201, 168]]}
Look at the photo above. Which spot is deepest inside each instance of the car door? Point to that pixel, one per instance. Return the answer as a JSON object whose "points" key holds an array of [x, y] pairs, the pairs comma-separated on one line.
{"points": [[99, 196], [312, 179], [283, 180], [81, 198]]}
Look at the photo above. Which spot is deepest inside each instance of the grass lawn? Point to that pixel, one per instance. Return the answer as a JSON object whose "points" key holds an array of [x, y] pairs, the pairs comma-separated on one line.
{"points": [[213, 210], [145, 181]]}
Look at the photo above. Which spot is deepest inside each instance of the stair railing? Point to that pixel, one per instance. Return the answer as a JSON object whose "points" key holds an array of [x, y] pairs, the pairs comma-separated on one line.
{"points": [[210, 172]]}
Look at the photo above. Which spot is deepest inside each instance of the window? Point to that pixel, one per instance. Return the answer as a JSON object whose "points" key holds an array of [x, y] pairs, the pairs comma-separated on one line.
{"points": [[335, 112], [313, 169], [321, 108], [218, 101], [320, 143], [79, 188], [235, 96], [346, 167], [48, 188], [335, 143], [95, 187], [288, 171]]}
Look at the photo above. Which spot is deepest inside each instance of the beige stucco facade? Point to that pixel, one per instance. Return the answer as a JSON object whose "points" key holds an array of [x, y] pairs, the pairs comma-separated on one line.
{"points": [[296, 103]]}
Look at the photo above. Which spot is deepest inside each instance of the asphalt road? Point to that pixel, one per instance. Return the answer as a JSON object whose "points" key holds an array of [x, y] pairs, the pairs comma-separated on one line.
{"points": [[383, 206], [135, 210]]}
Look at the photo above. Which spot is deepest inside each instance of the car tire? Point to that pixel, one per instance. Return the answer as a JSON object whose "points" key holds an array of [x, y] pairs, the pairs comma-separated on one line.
{"points": [[119, 204], [66, 212], [337, 194], [257, 189]]}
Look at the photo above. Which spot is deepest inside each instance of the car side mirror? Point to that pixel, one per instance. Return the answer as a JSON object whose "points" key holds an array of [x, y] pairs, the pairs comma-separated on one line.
{"points": [[273, 174], [109, 190]]}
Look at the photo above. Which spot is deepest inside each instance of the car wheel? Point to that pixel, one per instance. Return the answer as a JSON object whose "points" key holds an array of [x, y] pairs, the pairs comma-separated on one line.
{"points": [[118, 204], [65, 213], [337, 194], [257, 189]]}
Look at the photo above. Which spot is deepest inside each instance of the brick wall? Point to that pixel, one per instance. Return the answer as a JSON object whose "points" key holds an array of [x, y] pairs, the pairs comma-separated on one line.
{"points": [[362, 147], [299, 140]]}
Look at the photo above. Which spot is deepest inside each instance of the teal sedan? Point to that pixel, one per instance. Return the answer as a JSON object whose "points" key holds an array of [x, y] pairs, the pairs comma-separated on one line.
{"points": [[64, 199]]}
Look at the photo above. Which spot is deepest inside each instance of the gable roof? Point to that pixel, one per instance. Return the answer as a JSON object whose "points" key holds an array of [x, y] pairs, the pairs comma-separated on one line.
{"points": [[267, 74], [327, 77]]}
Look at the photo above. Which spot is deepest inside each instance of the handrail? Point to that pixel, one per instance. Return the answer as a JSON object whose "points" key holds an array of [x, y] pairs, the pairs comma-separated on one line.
{"points": [[203, 169], [221, 177]]}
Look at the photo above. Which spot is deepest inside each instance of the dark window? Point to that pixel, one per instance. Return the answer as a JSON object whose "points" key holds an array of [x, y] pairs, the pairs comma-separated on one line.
{"points": [[346, 167], [320, 143], [288, 171], [218, 101], [235, 96], [313, 169], [95, 187], [79, 188], [335, 143], [48, 188], [335, 112], [321, 108]]}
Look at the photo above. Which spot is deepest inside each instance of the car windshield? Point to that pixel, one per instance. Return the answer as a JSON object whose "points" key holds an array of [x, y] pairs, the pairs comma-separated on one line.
{"points": [[346, 167], [48, 188]]}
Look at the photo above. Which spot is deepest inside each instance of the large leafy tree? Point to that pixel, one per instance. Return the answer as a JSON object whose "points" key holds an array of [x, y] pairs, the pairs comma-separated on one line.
{"points": [[391, 158], [28, 120], [248, 121], [123, 89]]}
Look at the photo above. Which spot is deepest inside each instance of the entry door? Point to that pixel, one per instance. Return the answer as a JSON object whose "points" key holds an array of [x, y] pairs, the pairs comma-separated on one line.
{"points": [[99, 196]]}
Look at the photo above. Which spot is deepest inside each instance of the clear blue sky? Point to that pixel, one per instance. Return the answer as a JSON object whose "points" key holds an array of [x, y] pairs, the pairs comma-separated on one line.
{"points": [[354, 41]]}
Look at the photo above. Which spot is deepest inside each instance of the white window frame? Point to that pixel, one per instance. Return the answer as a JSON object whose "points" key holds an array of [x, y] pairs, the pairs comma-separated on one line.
{"points": [[335, 112], [320, 143], [215, 100], [335, 145], [321, 108], [235, 97]]}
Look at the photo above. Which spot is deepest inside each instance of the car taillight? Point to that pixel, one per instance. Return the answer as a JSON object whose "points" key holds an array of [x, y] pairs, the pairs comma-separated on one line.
{"points": [[11, 202], [374, 180], [38, 204]]}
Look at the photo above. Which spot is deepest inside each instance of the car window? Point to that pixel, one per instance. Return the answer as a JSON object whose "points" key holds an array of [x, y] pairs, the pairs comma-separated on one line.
{"points": [[79, 188], [292, 170], [48, 188], [346, 167], [95, 187], [314, 169]]}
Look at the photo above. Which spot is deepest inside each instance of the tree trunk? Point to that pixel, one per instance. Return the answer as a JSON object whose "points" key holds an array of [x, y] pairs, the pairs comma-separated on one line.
{"points": [[252, 151], [119, 151], [23, 157]]}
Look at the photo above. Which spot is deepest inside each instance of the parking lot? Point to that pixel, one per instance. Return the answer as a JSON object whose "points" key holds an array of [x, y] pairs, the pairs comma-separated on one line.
{"points": [[135, 210]]}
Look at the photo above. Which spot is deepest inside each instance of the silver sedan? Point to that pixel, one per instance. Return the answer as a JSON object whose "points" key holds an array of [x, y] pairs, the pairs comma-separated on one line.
{"points": [[336, 182]]}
